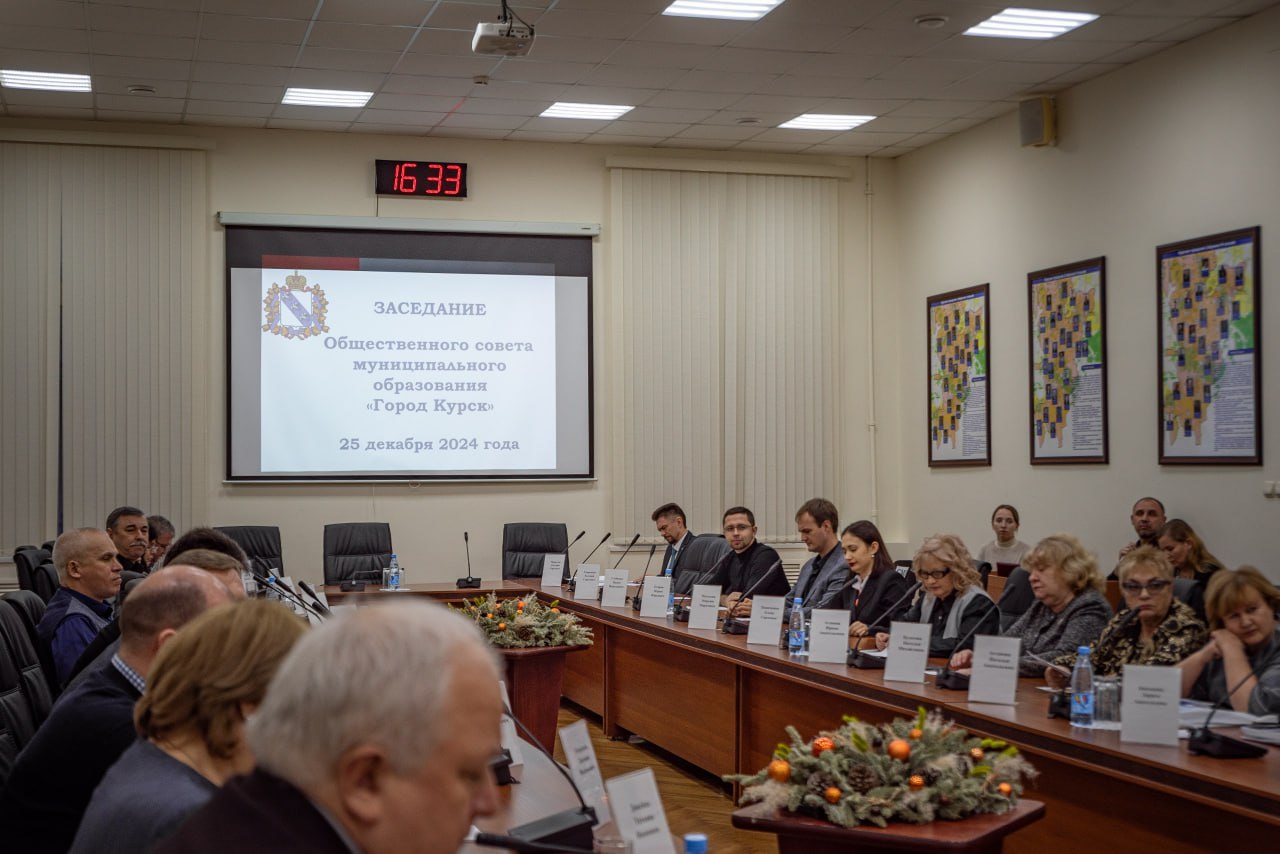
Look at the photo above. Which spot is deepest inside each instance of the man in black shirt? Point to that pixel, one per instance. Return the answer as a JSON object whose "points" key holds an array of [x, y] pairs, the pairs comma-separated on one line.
{"points": [[750, 563], [127, 527]]}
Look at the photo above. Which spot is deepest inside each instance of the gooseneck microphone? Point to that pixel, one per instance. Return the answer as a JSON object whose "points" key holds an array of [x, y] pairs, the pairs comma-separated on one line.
{"points": [[470, 582], [680, 613], [316, 600], [573, 579], [273, 583], [635, 600], [568, 830], [1204, 742], [618, 563], [856, 658], [954, 680], [564, 573], [732, 625]]}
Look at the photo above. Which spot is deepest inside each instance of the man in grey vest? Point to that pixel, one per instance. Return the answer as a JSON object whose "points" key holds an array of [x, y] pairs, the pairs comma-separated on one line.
{"points": [[89, 574]]}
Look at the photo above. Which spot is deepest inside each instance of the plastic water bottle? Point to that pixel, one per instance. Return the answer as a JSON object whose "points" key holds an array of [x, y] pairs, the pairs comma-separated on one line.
{"points": [[671, 592], [695, 843], [395, 573], [1082, 689], [246, 578], [795, 630]]}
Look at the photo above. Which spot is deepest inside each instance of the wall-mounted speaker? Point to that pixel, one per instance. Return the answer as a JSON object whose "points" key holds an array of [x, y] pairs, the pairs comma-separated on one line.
{"points": [[1038, 121]]}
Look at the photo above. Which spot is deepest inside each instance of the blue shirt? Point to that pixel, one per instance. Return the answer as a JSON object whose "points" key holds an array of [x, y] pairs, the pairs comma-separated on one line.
{"points": [[70, 622]]}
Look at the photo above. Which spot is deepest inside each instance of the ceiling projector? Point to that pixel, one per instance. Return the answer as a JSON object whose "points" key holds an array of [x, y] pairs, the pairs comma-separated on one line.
{"points": [[502, 38]]}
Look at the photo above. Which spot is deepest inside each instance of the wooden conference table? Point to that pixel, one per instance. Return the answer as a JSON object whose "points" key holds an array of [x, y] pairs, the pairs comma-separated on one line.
{"points": [[722, 705]]}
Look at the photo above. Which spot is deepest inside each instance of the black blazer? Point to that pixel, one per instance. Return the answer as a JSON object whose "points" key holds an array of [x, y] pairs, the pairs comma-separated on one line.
{"points": [[883, 588]]}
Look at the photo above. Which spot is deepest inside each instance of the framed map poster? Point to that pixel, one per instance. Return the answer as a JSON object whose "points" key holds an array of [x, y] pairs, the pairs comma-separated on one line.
{"points": [[1068, 353], [958, 337], [1210, 350]]}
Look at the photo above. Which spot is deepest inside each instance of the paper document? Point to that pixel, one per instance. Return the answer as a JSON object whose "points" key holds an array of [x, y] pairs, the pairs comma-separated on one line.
{"points": [[1193, 713]]}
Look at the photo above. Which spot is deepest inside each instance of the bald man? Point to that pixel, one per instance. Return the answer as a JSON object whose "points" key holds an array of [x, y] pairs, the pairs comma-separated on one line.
{"points": [[92, 723], [89, 574]]}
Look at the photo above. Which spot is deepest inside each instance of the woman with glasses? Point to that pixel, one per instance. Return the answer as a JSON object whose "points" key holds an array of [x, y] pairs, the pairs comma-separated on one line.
{"points": [[1243, 652], [1069, 611], [1153, 628], [954, 602]]}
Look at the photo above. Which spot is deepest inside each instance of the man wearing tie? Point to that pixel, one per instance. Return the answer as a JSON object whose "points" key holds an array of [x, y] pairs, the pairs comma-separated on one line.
{"points": [[671, 524]]}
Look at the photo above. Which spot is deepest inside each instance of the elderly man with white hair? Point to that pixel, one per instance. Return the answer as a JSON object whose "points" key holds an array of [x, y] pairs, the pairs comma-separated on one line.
{"points": [[375, 736]]}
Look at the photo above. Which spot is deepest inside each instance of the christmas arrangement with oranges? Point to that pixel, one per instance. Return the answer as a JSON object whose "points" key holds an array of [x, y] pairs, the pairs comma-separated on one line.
{"points": [[911, 770], [525, 623]]}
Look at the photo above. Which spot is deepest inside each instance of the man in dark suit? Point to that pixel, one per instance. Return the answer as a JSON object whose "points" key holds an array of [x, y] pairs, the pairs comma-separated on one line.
{"points": [[354, 757], [127, 526], [670, 520]]}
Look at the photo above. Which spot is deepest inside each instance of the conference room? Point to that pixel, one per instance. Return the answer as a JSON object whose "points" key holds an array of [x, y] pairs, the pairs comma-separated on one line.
{"points": [[719, 311]]}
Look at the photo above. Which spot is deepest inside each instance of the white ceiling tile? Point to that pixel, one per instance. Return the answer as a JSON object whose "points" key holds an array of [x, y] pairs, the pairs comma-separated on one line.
{"points": [[442, 42], [572, 50], [590, 24], [722, 81], [404, 12], [415, 103], [961, 15], [892, 151], [541, 72], [1083, 73], [862, 106], [689, 142], [298, 10], [316, 78], [241, 92], [535, 135], [138, 103], [359, 36], [501, 107], [156, 4], [247, 53], [1122, 28], [957, 125], [61, 100], [653, 7], [1163, 8], [880, 42], [660, 55], [632, 76], [138, 116], [844, 149], [389, 130], [154, 47], [47, 13], [1191, 29], [867, 137], [669, 115], [985, 90], [734, 133], [795, 137], [679, 30], [234, 28], [812, 87], [409, 84], [500, 122], [1141, 50], [412, 118], [836, 13], [766, 145], [581, 94], [993, 109], [1058, 50], [306, 124], [215, 120], [757, 104], [780, 35], [970, 47], [693, 100], [348, 60], [104, 85], [942, 109], [845, 64], [1023, 72], [463, 16], [227, 72], [46, 112], [465, 133], [735, 118], [752, 59], [228, 108], [142, 70], [158, 22], [659, 130], [938, 70], [582, 126], [632, 141], [909, 90], [903, 124], [44, 38], [39, 60], [316, 114], [517, 91]]}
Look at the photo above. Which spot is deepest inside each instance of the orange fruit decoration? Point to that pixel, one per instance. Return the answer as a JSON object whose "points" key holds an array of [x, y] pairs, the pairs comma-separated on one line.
{"points": [[1005, 789], [555, 610], [899, 749], [502, 627], [976, 754], [520, 605], [821, 744], [780, 770], [916, 733], [916, 782], [832, 794]]}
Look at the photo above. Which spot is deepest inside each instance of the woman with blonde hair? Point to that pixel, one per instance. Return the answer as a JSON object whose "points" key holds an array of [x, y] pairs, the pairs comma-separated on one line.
{"points": [[954, 602], [1186, 551], [1244, 638], [1070, 610], [202, 686]]}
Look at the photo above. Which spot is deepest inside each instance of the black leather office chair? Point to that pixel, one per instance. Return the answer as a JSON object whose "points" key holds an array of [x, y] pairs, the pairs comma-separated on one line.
{"points": [[356, 551], [30, 609], [701, 555], [44, 581], [526, 544], [1016, 598], [261, 543], [25, 560], [32, 684]]}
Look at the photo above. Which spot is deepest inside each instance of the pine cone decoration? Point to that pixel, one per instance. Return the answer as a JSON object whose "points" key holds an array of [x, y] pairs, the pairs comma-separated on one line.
{"points": [[862, 779], [932, 775], [820, 782]]}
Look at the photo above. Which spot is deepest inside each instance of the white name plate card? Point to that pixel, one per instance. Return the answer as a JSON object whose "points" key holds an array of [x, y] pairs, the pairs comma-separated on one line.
{"points": [[587, 585], [638, 813], [828, 637], [1149, 704], [766, 619], [584, 769], [995, 670], [704, 607], [510, 739], [615, 588], [552, 570], [908, 652], [653, 602]]}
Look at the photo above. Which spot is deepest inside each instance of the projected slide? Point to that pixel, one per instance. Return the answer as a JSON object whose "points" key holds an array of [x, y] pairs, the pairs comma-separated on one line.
{"points": [[388, 371], [373, 355]]}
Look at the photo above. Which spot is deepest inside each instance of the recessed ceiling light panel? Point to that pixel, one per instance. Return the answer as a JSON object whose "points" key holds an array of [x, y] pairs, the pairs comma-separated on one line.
{"points": [[1030, 24], [325, 97], [566, 110], [825, 121], [14, 79], [733, 10]]}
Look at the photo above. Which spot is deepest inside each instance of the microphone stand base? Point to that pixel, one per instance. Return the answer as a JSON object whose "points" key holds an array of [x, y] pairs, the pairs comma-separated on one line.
{"points": [[570, 828], [1060, 705], [680, 614], [864, 662], [734, 626], [951, 680], [351, 587], [468, 583], [1206, 742]]}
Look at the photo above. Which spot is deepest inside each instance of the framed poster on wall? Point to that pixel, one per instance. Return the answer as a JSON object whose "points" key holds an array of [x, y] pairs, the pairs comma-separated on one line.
{"points": [[1210, 345], [958, 330], [1067, 348]]}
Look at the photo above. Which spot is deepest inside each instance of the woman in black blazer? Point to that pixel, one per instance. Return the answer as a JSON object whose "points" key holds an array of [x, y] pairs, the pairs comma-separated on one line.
{"points": [[879, 587]]}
